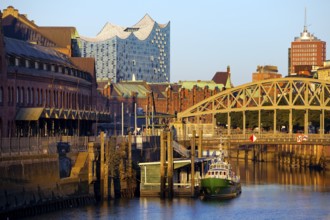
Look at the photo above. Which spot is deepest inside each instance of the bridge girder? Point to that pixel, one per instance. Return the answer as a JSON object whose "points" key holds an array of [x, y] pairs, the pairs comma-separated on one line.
{"points": [[275, 94]]}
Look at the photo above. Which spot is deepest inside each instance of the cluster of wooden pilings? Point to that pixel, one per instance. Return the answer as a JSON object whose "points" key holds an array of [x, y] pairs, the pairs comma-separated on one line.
{"points": [[302, 156], [166, 163], [117, 178]]}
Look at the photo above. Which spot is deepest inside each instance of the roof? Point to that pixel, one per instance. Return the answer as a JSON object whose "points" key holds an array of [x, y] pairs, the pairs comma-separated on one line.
{"points": [[11, 11], [125, 89], [60, 35], [29, 114], [220, 77], [306, 36], [159, 89], [14, 27], [140, 30], [178, 162], [202, 84], [25, 49], [86, 64]]}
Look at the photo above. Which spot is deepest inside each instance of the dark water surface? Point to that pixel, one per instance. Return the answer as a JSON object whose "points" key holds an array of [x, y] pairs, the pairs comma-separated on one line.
{"points": [[268, 192]]}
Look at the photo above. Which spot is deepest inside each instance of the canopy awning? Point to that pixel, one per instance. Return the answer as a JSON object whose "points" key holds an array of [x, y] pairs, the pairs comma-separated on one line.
{"points": [[29, 114], [34, 114]]}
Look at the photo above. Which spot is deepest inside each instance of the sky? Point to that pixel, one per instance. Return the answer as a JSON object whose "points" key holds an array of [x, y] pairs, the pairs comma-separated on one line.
{"points": [[206, 36]]}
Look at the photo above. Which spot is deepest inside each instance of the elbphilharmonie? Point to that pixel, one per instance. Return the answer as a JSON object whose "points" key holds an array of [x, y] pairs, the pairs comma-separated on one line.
{"points": [[139, 52]]}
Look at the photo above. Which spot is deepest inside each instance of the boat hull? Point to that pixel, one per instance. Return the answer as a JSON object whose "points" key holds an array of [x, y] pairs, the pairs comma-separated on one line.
{"points": [[218, 188]]}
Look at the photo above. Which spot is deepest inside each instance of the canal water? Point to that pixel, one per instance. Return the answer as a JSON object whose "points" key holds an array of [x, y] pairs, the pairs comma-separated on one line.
{"points": [[269, 191]]}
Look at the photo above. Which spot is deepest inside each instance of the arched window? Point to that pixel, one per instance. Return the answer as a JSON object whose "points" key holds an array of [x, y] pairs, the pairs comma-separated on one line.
{"points": [[60, 100], [9, 95], [17, 95], [67, 100], [64, 100], [22, 95], [57, 98], [12, 96], [37, 97], [54, 99], [1, 127], [28, 96], [1, 96], [50, 103], [0, 62], [32, 96], [47, 99], [74, 101], [41, 97]]}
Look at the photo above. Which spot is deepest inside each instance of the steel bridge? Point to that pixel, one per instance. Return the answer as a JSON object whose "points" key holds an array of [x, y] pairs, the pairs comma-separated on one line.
{"points": [[287, 95]]}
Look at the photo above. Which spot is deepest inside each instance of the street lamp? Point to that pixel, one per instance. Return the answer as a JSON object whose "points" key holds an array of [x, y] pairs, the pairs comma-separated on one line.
{"points": [[115, 124]]}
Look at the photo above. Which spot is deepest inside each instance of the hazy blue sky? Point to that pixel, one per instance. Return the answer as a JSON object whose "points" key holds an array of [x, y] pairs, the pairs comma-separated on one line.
{"points": [[206, 36]]}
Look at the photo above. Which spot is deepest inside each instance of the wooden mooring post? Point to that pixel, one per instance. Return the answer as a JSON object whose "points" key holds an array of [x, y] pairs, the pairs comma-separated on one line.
{"points": [[170, 164], [200, 148], [162, 164], [103, 183], [193, 145]]}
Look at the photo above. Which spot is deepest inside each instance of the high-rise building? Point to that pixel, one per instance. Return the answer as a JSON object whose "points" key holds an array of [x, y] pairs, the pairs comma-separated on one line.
{"points": [[307, 52], [140, 52]]}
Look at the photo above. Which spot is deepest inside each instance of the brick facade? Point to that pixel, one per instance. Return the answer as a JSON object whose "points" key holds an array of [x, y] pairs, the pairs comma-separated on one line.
{"points": [[35, 77]]}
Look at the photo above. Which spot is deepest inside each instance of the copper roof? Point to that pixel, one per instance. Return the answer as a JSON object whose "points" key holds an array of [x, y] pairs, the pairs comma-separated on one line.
{"points": [[28, 50], [126, 89], [14, 28], [60, 35], [86, 64], [159, 89]]}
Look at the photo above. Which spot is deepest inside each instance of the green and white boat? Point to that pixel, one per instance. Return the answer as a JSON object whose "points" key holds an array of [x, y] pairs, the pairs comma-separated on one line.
{"points": [[220, 182]]}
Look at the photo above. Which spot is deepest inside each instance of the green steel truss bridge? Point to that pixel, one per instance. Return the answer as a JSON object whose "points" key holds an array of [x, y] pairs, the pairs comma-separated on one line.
{"points": [[289, 94]]}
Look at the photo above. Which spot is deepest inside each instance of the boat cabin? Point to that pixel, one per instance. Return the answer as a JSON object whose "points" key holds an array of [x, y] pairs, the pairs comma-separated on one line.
{"points": [[150, 176]]}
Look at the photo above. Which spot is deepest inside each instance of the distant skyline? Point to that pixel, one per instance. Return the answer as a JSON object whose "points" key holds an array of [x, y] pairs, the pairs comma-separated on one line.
{"points": [[206, 36]]}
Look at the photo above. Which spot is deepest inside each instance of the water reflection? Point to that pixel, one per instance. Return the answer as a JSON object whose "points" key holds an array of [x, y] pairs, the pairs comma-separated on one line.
{"points": [[272, 173], [269, 191]]}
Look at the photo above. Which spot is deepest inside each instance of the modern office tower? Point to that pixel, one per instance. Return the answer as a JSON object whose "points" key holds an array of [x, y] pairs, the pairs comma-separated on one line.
{"points": [[306, 54], [140, 52]]}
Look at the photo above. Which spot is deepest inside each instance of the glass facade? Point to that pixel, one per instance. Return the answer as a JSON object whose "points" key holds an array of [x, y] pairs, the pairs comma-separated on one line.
{"points": [[142, 54]]}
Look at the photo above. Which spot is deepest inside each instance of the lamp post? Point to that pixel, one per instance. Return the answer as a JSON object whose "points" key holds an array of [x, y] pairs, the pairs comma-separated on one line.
{"points": [[135, 120], [129, 121], [115, 115], [122, 119]]}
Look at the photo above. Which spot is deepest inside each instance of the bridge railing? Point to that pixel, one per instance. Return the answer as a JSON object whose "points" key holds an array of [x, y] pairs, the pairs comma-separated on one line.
{"points": [[273, 138]]}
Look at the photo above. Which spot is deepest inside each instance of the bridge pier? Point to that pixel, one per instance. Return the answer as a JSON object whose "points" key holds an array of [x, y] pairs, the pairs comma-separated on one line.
{"points": [[246, 154], [285, 154]]}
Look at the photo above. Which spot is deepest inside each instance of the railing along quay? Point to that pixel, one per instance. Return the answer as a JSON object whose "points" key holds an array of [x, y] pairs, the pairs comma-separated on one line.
{"points": [[20, 146]]}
